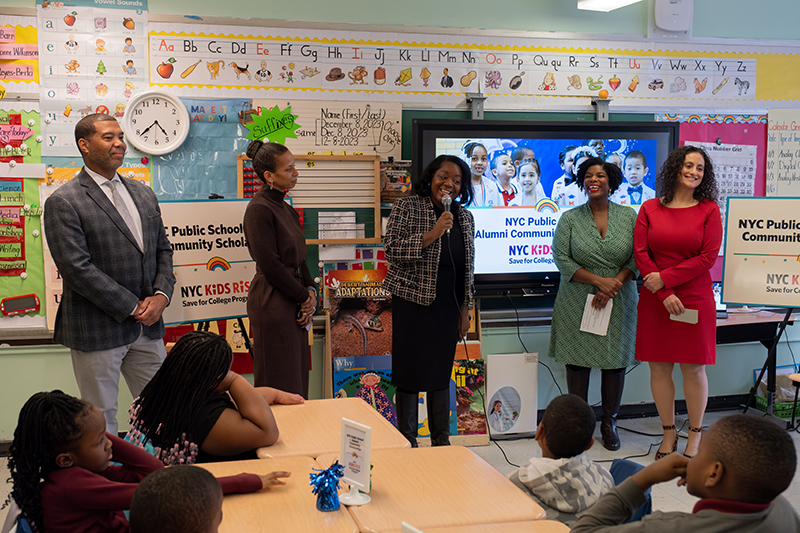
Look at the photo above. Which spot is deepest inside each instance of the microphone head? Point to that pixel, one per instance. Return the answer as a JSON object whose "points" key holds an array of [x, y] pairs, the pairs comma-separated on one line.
{"points": [[446, 201]]}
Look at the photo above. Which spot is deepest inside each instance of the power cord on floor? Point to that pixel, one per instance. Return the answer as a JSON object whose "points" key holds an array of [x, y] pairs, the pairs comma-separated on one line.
{"points": [[519, 336]]}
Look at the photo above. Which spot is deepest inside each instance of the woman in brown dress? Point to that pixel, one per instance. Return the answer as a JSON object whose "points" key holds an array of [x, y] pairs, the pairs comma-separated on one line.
{"points": [[282, 298]]}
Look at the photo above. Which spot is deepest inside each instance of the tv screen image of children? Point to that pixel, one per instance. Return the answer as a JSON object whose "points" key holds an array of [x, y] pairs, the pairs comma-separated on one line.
{"points": [[504, 409], [546, 152]]}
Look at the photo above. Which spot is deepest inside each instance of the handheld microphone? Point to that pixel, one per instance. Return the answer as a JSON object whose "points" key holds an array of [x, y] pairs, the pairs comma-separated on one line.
{"points": [[446, 201]]}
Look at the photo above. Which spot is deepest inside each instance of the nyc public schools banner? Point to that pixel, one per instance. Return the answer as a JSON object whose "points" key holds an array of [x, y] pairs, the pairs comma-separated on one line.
{"points": [[212, 266], [762, 252]]}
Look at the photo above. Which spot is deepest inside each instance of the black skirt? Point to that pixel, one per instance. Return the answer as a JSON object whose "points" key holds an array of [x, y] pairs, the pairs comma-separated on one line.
{"points": [[425, 336]]}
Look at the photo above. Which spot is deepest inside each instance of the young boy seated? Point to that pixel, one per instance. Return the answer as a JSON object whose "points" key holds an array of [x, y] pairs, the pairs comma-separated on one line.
{"points": [[563, 477], [182, 498], [743, 465]]}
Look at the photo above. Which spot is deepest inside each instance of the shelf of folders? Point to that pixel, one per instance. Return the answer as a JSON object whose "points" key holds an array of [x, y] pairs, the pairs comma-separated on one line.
{"points": [[337, 196]]}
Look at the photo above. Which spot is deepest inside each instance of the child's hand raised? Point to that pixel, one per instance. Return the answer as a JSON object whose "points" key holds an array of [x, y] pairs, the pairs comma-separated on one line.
{"points": [[273, 478], [670, 467]]}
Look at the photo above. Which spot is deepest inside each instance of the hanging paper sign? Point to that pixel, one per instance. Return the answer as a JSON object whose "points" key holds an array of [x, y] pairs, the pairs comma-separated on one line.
{"points": [[274, 125]]}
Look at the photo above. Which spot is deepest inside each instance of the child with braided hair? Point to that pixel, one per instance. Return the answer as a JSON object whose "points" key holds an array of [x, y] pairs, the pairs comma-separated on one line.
{"points": [[62, 474], [195, 409]]}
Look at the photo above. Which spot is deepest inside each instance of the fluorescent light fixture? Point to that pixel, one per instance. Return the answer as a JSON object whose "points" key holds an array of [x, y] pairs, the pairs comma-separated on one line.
{"points": [[604, 5]]}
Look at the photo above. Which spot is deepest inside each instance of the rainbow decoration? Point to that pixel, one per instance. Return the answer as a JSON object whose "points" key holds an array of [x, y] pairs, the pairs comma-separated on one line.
{"points": [[218, 263], [546, 205]]}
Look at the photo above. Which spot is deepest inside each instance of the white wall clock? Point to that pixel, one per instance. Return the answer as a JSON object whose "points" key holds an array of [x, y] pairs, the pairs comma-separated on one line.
{"points": [[156, 122]]}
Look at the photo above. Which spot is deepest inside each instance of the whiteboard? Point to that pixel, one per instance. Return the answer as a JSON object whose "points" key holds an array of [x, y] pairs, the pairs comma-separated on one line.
{"points": [[343, 128]]}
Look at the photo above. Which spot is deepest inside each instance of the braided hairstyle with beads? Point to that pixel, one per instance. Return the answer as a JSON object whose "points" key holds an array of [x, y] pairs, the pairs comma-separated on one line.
{"points": [[165, 410], [49, 423]]}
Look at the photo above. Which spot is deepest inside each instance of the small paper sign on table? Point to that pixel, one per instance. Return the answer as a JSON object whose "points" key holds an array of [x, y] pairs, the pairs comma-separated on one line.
{"points": [[355, 457]]}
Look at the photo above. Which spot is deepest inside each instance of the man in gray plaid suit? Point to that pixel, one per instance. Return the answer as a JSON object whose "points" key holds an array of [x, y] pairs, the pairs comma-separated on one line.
{"points": [[108, 241]]}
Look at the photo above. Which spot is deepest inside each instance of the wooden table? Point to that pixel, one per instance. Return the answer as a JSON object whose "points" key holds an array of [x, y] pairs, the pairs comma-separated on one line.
{"points": [[315, 428], [446, 486], [536, 526], [290, 507]]}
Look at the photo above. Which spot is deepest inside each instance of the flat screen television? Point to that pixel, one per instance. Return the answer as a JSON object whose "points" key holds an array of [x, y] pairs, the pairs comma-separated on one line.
{"points": [[514, 232]]}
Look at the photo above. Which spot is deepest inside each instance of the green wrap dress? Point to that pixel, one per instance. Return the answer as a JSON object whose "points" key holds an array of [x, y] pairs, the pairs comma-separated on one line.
{"points": [[577, 244]]}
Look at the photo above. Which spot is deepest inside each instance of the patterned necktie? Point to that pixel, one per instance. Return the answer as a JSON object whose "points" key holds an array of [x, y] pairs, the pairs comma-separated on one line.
{"points": [[122, 209]]}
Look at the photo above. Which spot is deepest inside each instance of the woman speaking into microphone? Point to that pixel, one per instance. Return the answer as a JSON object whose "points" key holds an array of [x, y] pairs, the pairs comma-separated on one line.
{"points": [[430, 246]]}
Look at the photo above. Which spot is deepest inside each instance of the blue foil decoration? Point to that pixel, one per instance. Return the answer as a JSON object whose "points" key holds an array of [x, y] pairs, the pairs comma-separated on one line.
{"points": [[326, 483]]}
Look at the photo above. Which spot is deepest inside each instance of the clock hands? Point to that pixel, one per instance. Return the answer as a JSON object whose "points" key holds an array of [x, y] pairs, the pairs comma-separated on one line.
{"points": [[155, 123]]}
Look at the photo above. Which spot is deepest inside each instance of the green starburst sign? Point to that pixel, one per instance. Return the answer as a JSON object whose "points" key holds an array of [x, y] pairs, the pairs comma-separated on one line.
{"points": [[273, 125]]}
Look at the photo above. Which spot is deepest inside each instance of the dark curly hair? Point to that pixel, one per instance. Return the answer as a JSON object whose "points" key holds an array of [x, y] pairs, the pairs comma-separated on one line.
{"points": [[612, 171], [190, 374], [265, 157], [668, 177], [422, 187], [569, 423], [49, 423]]}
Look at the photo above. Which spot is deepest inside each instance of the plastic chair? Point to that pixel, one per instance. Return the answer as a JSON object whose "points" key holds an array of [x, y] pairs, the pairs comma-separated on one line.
{"points": [[622, 469]]}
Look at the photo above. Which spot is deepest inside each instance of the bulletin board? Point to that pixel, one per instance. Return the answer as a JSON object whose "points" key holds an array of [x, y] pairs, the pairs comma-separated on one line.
{"points": [[731, 133]]}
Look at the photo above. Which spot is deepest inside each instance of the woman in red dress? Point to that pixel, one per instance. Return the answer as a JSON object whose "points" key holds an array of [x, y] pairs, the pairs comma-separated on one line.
{"points": [[676, 241]]}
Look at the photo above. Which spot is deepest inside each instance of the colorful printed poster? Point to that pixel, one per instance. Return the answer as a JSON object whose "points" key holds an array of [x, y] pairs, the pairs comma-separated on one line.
{"points": [[367, 257], [21, 276], [361, 313], [469, 376], [783, 153], [365, 63], [93, 58], [19, 136], [19, 54], [370, 378]]}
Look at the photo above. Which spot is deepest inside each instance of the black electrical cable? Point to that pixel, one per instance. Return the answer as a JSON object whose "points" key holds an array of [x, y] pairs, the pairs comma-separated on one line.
{"points": [[519, 336]]}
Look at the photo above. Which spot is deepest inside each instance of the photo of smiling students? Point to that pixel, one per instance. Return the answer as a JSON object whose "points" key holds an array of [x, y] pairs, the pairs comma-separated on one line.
{"points": [[528, 180], [503, 170], [524, 154], [484, 190], [566, 162], [615, 159], [572, 195], [634, 191]]}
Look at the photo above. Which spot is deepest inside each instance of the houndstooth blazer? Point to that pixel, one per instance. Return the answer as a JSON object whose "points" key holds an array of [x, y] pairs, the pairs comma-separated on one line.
{"points": [[104, 273], [412, 269]]}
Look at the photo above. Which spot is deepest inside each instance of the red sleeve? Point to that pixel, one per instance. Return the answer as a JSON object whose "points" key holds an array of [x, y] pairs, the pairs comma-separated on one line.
{"points": [[701, 263], [135, 463], [240, 483], [641, 249]]}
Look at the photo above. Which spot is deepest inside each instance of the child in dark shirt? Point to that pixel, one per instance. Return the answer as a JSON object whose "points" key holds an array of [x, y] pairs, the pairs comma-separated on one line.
{"points": [[62, 472]]}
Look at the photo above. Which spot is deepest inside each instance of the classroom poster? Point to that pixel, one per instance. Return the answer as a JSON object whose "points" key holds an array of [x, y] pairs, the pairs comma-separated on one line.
{"points": [[93, 57], [734, 171], [469, 376], [19, 54], [21, 269], [370, 63], [783, 153], [19, 136]]}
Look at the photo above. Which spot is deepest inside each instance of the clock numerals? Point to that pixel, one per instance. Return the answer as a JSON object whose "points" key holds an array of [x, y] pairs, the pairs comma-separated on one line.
{"points": [[133, 121], [137, 111], [174, 111]]}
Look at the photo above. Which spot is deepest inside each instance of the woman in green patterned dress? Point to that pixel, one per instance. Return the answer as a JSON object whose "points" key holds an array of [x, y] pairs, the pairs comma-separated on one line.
{"points": [[593, 249]]}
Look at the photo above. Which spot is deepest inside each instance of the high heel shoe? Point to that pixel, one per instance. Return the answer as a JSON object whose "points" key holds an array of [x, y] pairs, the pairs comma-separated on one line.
{"points": [[661, 455], [693, 430]]}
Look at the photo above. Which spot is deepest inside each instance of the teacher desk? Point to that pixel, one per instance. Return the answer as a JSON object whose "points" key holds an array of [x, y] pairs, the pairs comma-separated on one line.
{"points": [[315, 427], [290, 507], [446, 486]]}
